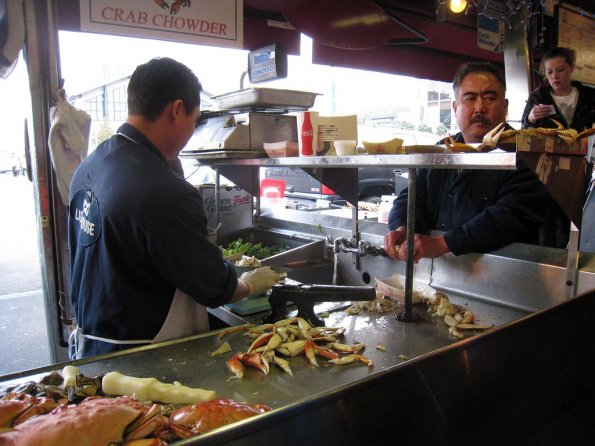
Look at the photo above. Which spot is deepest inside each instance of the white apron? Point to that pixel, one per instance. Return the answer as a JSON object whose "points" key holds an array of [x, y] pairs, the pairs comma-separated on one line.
{"points": [[186, 317]]}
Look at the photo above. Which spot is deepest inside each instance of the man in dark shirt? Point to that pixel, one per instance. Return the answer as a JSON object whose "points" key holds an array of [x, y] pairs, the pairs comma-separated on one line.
{"points": [[142, 267], [476, 210]]}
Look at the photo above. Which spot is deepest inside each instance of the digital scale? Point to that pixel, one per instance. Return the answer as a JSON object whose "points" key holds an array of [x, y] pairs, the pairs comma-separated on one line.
{"points": [[252, 116]]}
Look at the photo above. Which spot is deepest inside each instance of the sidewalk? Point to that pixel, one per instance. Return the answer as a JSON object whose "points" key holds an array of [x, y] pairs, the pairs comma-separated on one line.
{"points": [[23, 335]]}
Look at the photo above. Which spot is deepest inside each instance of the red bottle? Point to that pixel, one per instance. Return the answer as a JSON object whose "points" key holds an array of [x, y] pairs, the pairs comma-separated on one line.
{"points": [[307, 135]]}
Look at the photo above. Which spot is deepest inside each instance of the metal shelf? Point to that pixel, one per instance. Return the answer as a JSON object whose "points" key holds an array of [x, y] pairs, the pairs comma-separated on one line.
{"points": [[492, 160]]}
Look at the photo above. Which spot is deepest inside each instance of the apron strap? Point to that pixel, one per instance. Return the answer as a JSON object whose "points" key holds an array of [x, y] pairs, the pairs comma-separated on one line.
{"points": [[186, 317]]}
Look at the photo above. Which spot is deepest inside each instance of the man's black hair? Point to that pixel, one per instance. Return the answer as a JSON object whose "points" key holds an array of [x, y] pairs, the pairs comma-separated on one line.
{"points": [[476, 67], [159, 82]]}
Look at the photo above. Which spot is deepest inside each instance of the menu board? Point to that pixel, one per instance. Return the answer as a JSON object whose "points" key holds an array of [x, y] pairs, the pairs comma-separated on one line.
{"points": [[577, 31]]}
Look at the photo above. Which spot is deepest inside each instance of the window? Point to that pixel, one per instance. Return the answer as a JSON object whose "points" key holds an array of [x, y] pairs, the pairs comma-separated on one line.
{"points": [[117, 104]]}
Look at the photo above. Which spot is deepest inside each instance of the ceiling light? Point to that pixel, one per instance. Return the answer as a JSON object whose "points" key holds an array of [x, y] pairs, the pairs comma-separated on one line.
{"points": [[457, 6]]}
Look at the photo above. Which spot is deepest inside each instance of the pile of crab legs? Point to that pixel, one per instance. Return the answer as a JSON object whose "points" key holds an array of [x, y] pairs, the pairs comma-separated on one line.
{"points": [[292, 337], [500, 134]]}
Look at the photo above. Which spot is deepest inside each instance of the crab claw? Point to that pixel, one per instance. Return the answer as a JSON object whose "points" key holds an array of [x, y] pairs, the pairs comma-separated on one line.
{"points": [[293, 348], [260, 341], [310, 351], [257, 361], [283, 364], [352, 358], [491, 138], [326, 352], [344, 348], [235, 366]]}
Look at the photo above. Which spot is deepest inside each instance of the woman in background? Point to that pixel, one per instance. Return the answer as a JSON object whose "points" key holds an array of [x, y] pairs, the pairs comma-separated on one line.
{"points": [[570, 103]]}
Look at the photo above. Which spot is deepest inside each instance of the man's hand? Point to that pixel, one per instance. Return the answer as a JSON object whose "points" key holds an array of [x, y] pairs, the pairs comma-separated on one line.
{"points": [[260, 280], [424, 246], [393, 241]]}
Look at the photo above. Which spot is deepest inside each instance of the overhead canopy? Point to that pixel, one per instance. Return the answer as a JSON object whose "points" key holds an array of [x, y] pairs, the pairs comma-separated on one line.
{"points": [[405, 37]]}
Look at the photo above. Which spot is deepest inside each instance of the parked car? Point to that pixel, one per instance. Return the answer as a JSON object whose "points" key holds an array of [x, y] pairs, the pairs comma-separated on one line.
{"points": [[372, 184]]}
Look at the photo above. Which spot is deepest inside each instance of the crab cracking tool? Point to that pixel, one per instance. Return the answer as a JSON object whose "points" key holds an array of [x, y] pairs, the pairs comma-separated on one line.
{"points": [[305, 296]]}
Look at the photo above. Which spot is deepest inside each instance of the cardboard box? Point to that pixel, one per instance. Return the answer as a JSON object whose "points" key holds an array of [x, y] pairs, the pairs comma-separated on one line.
{"points": [[549, 144], [235, 208]]}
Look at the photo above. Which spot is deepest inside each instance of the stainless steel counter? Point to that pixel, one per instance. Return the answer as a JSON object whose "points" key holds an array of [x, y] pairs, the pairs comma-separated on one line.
{"points": [[506, 386], [189, 361], [526, 381]]}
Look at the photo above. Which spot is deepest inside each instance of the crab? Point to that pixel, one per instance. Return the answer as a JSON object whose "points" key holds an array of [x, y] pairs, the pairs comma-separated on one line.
{"points": [[204, 417], [17, 408], [96, 421], [122, 420]]}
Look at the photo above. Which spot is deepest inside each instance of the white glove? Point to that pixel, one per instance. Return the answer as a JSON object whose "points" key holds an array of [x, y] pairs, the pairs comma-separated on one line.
{"points": [[260, 280]]}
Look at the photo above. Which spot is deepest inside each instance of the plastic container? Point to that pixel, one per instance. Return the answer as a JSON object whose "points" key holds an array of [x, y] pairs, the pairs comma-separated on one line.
{"points": [[345, 147], [384, 147]]}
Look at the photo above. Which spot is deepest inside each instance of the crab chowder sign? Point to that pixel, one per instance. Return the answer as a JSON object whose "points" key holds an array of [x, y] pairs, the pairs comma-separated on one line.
{"points": [[203, 22]]}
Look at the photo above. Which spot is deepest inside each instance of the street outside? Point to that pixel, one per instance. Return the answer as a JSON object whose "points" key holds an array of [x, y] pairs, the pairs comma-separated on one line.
{"points": [[23, 335]]}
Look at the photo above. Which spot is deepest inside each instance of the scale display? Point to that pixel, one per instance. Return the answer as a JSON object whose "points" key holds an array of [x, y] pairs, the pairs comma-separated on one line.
{"points": [[267, 63]]}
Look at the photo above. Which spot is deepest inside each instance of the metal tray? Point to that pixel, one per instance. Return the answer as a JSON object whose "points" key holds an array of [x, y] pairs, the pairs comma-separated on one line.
{"points": [[266, 97]]}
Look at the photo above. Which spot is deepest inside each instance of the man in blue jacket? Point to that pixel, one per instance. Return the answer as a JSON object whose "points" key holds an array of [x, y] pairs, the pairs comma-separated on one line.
{"points": [[475, 210], [142, 267]]}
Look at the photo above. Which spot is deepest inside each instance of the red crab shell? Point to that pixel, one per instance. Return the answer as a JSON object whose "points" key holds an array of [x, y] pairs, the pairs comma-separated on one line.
{"points": [[94, 422], [215, 413]]}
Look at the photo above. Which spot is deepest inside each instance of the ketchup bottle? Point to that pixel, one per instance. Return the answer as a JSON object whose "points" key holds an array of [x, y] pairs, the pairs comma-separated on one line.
{"points": [[307, 135]]}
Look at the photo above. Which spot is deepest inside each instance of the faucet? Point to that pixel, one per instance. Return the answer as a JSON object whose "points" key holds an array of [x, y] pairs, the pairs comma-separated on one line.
{"points": [[367, 248], [362, 249], [345, 245]]}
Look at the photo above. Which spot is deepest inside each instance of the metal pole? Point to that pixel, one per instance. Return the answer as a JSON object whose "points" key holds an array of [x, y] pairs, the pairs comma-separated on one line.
{"points": [[407, 315], [572, 261], [42, 65]]}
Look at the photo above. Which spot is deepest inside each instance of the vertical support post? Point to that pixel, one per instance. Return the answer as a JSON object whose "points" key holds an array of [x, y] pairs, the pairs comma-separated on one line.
{"points": [[407, 315], [355, 235], [41, 48], [217, 197], [572, 262], [517, 65]]}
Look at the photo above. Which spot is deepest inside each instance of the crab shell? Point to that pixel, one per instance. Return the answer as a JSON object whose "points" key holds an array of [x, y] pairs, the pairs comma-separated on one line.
{"points": [[96, 421], [203, 417]]}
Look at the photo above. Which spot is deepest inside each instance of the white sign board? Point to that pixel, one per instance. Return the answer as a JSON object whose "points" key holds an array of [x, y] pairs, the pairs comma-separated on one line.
{"points": [[202, 22]]}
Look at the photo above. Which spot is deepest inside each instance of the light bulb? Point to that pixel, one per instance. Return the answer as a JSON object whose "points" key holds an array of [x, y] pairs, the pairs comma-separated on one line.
{"points": [[457, 6]]}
